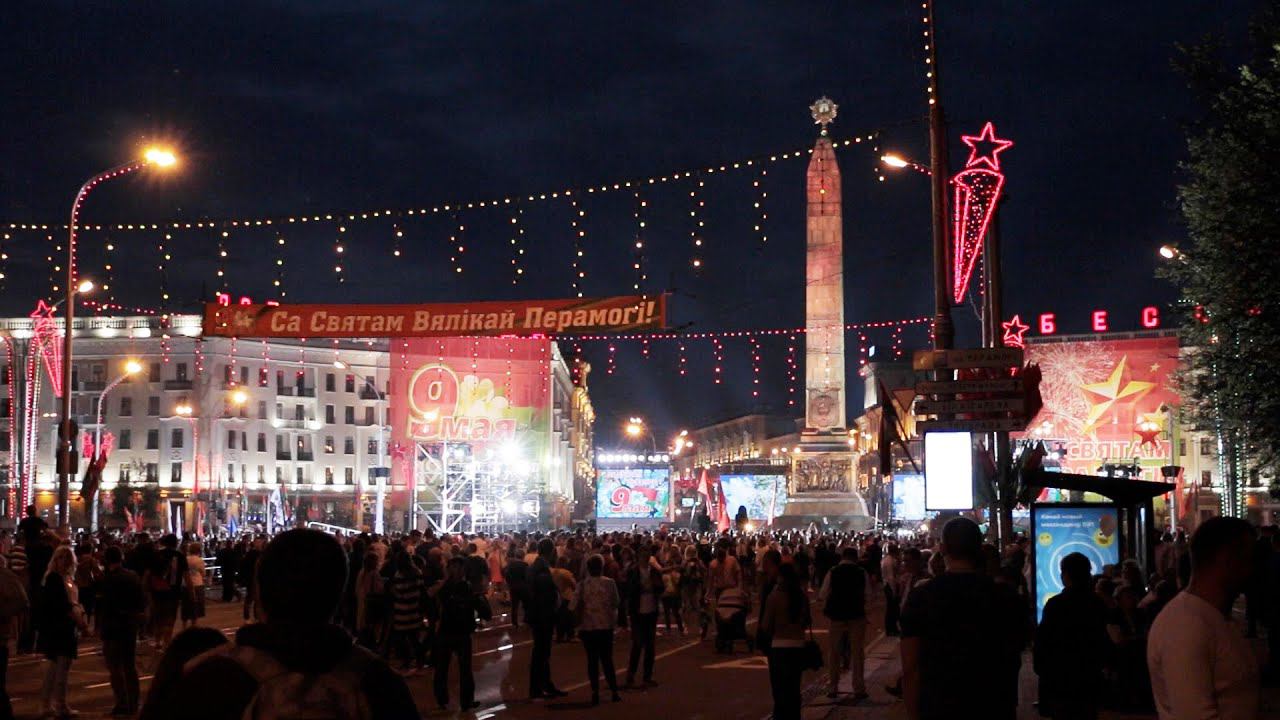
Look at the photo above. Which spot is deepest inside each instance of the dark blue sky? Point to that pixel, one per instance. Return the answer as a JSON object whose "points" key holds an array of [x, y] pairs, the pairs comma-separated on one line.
{"points": [[316, 106]]}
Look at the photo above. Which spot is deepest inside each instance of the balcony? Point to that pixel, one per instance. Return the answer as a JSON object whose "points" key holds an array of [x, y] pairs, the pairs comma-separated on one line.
{"points": [[297, 424], [293, 391], [305, 456], [283, 457], [91, 386], [368, 393], [178, 384]]}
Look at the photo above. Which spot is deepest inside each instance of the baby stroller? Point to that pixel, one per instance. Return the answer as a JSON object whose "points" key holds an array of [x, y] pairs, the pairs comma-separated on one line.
{"points": [[731, 620]]}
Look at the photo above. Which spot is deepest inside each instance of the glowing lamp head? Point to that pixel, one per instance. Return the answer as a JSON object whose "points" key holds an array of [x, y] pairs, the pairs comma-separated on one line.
{"points": [[160, 157], [85, 287], [634, 429], [340, 365], [1168, 252], [132, 367], [893, 160], [183, 410], [239, 397]]}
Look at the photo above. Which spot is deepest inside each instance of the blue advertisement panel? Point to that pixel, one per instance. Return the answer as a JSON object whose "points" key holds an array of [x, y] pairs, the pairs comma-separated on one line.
{"points": [[908, 496], [1060, 531], [633, 493], [763, 496]]}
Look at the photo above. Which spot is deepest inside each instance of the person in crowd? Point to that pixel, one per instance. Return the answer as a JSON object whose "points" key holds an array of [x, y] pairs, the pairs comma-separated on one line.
{"points": [[166, 581], [516, 572], [406, 591], [32, 527], [1071, 646], [770, 563], [121, 605], [541, 615], [247, 576], [14, 604], [297, 659], [39, 553], [59, 619], [892, 601], [1201, 666], [962, 637], [644, 582], [692, 576], [1127, 628], [672, 592], [460, 607], [843, 598], [785, 620], [193, 595], [228, 559], [88, 575], [162, 699], [597, 612], [371, 604], [566, 586]]}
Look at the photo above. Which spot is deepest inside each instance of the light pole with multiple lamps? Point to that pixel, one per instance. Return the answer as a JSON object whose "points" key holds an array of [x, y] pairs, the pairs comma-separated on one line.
{"points": [[151, 158]]}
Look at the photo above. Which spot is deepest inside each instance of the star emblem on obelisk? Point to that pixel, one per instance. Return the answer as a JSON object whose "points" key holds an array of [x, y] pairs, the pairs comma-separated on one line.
{"points": [[824, 112]]}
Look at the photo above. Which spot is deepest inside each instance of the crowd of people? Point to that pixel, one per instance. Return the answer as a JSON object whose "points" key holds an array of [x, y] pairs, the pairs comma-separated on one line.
{"points": [[349, 622]]}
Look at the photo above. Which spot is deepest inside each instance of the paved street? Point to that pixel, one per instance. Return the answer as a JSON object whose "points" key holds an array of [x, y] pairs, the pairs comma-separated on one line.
{"points": [[693, 680]]}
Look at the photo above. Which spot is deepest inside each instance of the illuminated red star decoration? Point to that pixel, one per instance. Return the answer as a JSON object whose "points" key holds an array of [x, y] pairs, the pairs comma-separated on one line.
{"points": [[1013, 331], [1116, 388], [987, 138], [45, 333]]}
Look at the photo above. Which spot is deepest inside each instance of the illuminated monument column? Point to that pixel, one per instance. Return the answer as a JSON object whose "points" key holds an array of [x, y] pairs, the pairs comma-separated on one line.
{"points": [[823, 467]]}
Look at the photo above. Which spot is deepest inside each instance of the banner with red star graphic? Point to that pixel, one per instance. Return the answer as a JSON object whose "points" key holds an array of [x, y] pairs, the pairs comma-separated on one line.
{"points": [[1106, 401]]}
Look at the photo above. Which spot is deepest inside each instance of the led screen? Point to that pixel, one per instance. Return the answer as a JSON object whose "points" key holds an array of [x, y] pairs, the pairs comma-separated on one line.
{"points": [[633, 493], [908, 496], [948, 470], [764, 496]]}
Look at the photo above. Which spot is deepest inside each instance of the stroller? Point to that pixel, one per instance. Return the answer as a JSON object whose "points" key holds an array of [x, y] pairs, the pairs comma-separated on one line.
{"points": [[731, 620]]}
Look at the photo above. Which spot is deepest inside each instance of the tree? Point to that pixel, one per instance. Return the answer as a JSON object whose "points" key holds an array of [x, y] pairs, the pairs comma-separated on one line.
{"points": [[1228, 274]]}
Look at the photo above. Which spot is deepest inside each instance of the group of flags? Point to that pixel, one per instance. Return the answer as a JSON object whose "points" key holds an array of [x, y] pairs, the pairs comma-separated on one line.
{"points": [[712, 493]]}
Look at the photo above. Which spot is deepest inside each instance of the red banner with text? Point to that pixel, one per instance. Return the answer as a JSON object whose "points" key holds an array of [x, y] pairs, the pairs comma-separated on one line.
{"points": [[492, 318]]}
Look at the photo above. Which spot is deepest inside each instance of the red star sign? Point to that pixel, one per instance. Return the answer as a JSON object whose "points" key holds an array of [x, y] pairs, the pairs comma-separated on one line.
{"points": [[988, 139], [1013, 331]]}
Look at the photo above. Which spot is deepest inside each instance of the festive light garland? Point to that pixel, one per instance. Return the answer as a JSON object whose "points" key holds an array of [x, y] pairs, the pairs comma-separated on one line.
{"points": [[446, 207], [638, 263], [517, 246], [761, 216], [576, 223], [339, 254], [278, 282]]}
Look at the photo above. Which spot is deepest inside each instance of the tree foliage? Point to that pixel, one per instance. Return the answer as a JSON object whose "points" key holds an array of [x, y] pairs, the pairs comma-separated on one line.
{"points": [[1228, 272]]}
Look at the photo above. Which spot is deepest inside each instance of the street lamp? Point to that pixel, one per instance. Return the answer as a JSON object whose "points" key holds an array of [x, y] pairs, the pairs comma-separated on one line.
{"points": [[152, 157], [895, 160], [358, 514], [635, 429], [131, 367]]}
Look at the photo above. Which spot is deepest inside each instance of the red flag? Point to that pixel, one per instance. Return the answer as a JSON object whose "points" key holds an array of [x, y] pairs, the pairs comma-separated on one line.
{"points": [[723, 523], [703, 487]]}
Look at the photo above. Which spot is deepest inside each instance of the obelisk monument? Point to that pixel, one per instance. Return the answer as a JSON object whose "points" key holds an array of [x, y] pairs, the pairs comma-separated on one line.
{"points": [[822, 488]]}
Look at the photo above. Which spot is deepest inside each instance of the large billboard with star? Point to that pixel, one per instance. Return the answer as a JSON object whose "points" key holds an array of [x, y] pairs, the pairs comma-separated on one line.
{"points": [[1106, 401]]}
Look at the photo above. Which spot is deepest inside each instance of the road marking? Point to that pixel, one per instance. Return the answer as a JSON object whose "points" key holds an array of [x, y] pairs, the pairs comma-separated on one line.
{"points": [[755, 662], [107, 684]]}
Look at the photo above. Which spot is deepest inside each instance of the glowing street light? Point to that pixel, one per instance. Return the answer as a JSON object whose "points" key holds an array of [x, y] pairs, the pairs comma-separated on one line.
{"points": [[152, 158], [894, 160], [1169, 252], [132, 367], [184, 410], [239, 397]]}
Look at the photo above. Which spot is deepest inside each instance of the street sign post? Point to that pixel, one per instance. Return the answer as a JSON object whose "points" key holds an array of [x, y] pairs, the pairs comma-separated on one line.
{"points": [[955, 387], [1004, 357], [982, 425], [984, 405]]}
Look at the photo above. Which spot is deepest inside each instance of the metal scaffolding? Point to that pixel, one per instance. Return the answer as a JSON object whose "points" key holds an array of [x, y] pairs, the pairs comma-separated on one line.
{"points": [[461, 489]]}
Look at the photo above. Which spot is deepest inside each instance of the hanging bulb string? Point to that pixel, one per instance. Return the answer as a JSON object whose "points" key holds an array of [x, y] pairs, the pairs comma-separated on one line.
{"points": [[452, 206]]}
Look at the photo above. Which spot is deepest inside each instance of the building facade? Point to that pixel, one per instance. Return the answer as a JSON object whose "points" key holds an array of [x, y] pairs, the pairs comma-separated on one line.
{"points": [[209, 428]]}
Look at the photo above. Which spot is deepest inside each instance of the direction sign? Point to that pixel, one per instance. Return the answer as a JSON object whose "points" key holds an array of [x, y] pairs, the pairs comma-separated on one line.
{"points": [[932, 407], [953, 387], [971, 358], [1014, 424]]}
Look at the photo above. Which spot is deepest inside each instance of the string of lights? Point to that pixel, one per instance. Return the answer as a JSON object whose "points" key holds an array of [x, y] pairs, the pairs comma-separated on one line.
{"points": [[577, 226], [278, 282], [761, 215], [639, 208], [517, 246], [445, 207], [339, 253], [696, 222]]}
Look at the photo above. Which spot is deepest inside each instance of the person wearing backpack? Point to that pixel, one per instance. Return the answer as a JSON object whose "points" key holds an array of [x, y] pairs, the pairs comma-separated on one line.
{"points": [[297, 662], [13, 605], [460, 606]]}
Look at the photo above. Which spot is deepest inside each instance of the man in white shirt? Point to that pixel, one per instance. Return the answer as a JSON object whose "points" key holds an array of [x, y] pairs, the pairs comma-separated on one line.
{"points": [[1201, 665]]}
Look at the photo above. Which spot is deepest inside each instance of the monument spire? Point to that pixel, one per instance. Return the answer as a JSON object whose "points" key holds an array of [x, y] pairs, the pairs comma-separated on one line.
{"points": [[824, 285]]}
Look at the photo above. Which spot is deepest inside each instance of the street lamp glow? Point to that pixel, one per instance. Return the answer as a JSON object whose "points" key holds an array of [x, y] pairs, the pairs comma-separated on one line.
{"points": [[183, 410], [132, 367], [341, 365], [634, 430], [893, 160], [239, 397], [1168, 252], [86, 286], [160, 157]]}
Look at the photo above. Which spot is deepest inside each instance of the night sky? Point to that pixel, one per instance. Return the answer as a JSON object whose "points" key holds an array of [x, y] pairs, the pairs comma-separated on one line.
{"points": [[313, 106]]}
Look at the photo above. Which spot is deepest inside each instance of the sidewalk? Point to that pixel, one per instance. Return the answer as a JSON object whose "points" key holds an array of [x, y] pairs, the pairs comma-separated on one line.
{"points": [[883, 667]]}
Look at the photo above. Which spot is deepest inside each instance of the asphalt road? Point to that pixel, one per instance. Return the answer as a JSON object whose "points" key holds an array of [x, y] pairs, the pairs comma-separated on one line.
{"points": [[693, 680]]}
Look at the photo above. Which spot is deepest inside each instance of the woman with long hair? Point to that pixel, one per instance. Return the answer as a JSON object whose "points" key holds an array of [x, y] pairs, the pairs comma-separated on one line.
{"points": [[786, 617], [193, 597], [60, 619]]}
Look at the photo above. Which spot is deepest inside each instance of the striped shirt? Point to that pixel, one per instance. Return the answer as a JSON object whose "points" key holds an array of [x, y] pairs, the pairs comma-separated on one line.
{"points": [[406, 601], [17, 559]]}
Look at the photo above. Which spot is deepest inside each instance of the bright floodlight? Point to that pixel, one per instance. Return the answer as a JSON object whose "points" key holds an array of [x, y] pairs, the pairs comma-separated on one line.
{"points": [[132, 367], [239, 397], [1168, 252], [894, 160], [340, 365], [183, 410], [85, 286], [160, 157], [634, 430]]}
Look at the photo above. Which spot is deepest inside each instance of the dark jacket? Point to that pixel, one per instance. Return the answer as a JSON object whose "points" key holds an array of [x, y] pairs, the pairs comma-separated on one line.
{"points": [[459, 608], [635, 588], [1070, 650], [543, 596], [56, 636], [310, 649], [847, 593], [121, 602]]}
